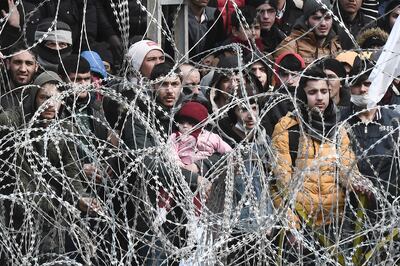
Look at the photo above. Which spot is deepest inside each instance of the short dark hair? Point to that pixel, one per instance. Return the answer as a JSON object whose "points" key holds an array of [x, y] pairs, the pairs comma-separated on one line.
{"points": [[21, 47], [73, 64], [163, 70], [290, 63], [311, 74], [249, 13]]}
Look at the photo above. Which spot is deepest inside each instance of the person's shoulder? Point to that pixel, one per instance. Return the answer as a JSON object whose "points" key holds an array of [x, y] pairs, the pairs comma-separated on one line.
{"points": [[286, 122], [389, 115], [11, 116], [345, 113]]}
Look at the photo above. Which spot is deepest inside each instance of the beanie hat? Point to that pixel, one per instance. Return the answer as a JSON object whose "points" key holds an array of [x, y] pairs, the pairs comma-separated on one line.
{"points": [[95, 62], [45, 77], [195, 111], [257, 3], [139, 50], [288, 61], [73, 64], [60, 31], [46, 31], [312, 6], [335, 66]]}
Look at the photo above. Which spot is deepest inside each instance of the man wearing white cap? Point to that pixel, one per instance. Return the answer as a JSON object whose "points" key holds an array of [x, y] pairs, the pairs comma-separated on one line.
{"points": [[144, 55]]}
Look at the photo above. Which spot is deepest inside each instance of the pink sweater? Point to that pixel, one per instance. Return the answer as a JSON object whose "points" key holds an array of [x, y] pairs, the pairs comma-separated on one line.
{"points": [[187, 150]]}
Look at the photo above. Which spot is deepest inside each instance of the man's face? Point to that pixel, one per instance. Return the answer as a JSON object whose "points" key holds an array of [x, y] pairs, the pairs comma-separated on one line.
{"points": [[321, 24], [350, 6], [56, 45], [289, 78], [246, 116], [247, 33], [208, 61], [168, 91], [199, 3], [47, 91], [22, 68], [229, 84], [334, 83], [152, 58], [393, 16], [83, 79], [267, 16], [192, 81], [259, 70], [360, 88], [317, 92]]}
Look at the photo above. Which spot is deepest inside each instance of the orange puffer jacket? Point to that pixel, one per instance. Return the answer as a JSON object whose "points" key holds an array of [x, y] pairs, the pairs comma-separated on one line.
{"points": [[320, 170]]}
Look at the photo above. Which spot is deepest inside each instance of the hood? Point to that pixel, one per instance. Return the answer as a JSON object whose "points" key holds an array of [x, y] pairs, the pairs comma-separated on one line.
{"points": [[95, 62], [29, 102]]}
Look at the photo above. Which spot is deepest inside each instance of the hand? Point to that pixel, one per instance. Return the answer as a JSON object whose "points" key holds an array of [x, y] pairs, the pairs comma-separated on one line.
{"points": [[90, 206], [92, 171], [205, 186], [191, 167], [13, 19]]}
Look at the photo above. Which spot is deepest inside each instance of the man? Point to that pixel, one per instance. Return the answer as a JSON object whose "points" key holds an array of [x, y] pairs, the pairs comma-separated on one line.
{"points": [[271, 35], [88, 115], [143, 56], [314, 163], [313, 36], [288, 69], [191, 84], [354, 19], [336, 74], [259, 67], [21, 69], [54, 44], [44, 193], [225, 83], [374, 132], [152, 169], [206, 28]]}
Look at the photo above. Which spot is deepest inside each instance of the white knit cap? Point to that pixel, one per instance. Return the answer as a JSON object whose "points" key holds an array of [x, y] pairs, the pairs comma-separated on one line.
{"points": [[139, 50]]}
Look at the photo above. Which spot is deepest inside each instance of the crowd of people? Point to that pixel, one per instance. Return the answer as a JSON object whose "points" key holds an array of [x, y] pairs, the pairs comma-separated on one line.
{"points": [[257, 147]]}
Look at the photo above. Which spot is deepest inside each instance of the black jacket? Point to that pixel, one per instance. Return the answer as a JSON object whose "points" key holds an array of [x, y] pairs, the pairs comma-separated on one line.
{"points": [[206, 35], [70, 12], [361, 22], [375, 144]]}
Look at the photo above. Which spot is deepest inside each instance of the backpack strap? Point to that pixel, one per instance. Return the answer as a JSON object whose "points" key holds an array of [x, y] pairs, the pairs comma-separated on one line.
{"points": [[294, 136]]}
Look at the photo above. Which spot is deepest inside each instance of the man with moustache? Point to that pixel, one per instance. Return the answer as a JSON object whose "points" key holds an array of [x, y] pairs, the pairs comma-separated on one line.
{"points": [[21, 69], [312, 36]]}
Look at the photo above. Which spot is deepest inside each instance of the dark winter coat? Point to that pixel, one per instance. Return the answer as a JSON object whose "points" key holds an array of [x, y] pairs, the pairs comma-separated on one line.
{"points": [[201, 37], [374, 144], [70, 12]]}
